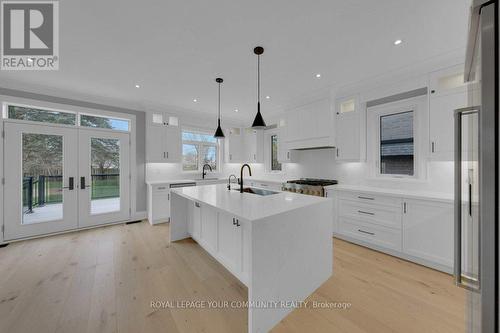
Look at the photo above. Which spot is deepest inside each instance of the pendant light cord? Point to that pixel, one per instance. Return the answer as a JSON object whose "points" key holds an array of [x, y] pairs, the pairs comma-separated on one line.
{"points": [[219, 102], [258, 78]]}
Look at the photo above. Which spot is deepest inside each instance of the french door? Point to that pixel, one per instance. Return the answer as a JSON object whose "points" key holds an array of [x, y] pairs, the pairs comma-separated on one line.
{"points": [[60, 178], [41, 168], [104, 185]]}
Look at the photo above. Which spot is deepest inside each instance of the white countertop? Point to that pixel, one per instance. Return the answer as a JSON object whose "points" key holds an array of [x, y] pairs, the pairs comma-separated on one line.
{"points": [[395, 192], [247, 206]]}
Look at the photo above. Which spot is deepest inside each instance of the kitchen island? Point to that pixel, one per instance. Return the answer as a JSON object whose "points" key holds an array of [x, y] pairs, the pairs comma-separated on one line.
{"points": [[278, 244]]}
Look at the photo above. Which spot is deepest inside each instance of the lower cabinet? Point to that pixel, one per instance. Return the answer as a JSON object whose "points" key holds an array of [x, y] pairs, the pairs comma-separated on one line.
{"points": [[419, 230], [428, 231], [224, 236]]}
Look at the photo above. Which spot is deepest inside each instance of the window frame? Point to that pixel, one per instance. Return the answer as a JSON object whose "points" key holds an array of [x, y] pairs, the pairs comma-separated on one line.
{"points": [[374, 114], [201, 144]]}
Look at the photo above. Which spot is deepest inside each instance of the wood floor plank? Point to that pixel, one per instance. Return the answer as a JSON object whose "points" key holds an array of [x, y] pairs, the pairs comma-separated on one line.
{"points": [[104, 280]]}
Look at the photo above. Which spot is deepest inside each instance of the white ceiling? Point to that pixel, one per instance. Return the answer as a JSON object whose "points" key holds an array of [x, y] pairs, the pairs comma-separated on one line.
{"points": [[175, 49]]}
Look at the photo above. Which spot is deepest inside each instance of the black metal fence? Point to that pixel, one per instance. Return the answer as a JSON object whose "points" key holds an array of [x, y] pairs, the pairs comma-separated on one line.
{"points": [[42, 190]]}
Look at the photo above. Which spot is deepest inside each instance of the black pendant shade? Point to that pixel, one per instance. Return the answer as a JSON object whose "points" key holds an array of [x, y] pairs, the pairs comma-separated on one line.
{"points": [[258, 122], [219, 134]]}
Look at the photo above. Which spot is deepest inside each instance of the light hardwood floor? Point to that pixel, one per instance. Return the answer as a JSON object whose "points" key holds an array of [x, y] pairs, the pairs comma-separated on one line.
{"points": [[103, 280]]}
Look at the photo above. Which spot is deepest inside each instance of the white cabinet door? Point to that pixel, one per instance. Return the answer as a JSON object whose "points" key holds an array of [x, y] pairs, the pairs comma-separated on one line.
{"points": [[155, 143], [172, 144], [229, 241], [234, 149], [196, 218], [428, 231], [160, 203], [209, 228], [285, 155], [323, 116], [441, 128], [347, 130], [253, 145], [294, 131]]}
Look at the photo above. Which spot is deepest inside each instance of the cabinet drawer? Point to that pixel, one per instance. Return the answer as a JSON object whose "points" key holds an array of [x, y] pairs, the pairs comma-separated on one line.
{"points": [[163, 188], [388, 216], [375, 234], [369, 198]]}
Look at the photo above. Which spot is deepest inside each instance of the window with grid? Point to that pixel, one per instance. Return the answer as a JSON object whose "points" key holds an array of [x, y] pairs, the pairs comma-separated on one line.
{"points": [[199, 148]]}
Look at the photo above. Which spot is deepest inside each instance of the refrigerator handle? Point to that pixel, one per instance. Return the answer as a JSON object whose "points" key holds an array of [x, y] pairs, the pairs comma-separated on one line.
{"points": [[460, 280]]}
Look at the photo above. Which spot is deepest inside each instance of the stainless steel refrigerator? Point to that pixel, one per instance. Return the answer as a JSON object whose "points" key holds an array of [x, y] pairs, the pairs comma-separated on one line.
{"points": [[477, 173]]}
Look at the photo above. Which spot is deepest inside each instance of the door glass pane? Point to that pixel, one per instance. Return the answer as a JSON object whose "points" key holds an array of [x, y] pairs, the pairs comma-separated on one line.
{"points": [[105, 173], [42, 178], [275, 164], [396, 144], [103, 122], [44, 116]]}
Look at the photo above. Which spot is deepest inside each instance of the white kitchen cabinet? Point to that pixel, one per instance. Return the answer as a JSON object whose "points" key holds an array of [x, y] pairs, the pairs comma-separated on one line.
{"points": [[428, 231], [234, 146], [448, 92], [310, 126], [229, 242], [163, 138], [253, 145], [209, 228], [285, 155], [158, 203], [195, 217], [347, 130], [416, 229]]}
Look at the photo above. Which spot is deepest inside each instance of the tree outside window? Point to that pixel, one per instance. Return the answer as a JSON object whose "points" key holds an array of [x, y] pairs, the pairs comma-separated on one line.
{"points": [[199, 148]]}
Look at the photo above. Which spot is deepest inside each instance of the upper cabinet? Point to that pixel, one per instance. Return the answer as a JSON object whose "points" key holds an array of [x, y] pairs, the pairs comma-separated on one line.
{"points": [[347, 129], [310, 126], [254, 145], [447, 92], [285, 155], [234, 146], [163, 138]]}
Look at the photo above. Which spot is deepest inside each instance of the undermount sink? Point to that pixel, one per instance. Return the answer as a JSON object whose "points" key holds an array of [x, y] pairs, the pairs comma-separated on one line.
{"points": [[206, 178], [257, 191]]}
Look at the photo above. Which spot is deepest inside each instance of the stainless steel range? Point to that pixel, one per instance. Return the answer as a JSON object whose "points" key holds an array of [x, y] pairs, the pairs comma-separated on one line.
{"points": [[308, 186]]}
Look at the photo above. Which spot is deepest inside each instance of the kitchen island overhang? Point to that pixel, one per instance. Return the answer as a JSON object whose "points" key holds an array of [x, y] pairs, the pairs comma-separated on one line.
{"points": [[279, 246]]}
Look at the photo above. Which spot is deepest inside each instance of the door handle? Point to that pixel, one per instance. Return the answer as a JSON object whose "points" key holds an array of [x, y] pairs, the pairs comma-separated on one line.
{"points": [[461, 279], [82, 183], [71, 184]]}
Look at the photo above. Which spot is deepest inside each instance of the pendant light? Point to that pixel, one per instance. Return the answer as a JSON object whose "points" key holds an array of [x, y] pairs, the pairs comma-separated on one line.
{"points": [[258, 122], [218, 133]]}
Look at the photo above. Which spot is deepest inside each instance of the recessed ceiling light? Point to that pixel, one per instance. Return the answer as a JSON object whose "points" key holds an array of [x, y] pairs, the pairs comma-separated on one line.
{"points": [[236, 110], [318, 75], [30, 60], [137, 86], [195, 100], [398, 42], [267, 97]]}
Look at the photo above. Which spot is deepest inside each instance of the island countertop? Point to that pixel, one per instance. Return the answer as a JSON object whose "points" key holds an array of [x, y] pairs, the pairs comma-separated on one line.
{"points": [[247, 206]]}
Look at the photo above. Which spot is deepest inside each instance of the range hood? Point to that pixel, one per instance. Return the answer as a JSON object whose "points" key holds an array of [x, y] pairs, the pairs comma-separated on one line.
{"points": [[312, 143]]}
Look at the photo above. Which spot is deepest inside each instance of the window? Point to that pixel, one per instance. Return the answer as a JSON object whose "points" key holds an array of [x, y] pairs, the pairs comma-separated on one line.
{"points": [[199, 148], [275, 164], [397, 144], [104, 122], [40, 115]]}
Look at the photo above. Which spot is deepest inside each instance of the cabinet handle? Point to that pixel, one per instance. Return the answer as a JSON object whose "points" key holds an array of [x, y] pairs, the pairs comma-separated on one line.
{"points": [[237, 222], [234, 221], [366, 213], [168, 196], [365, 198], [404, 207], [230, 157], [366, 232], [164, 155], [197, 204], [162, 188], [254, 158], [433, 146], [338, 152], [167, 154], [288, 155]]}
